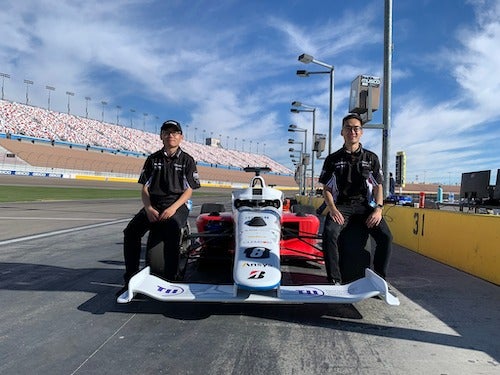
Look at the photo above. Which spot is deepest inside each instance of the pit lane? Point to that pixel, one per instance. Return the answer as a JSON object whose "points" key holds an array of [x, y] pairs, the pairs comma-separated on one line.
{"points": [[59, 316]]}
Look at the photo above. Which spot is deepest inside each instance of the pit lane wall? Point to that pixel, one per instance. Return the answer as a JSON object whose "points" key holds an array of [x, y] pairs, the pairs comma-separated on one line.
{"points": [[468, 242]]}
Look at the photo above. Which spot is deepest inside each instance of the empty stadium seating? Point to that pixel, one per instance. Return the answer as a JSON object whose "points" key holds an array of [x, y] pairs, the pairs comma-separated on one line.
{"points": [[83, 136]]}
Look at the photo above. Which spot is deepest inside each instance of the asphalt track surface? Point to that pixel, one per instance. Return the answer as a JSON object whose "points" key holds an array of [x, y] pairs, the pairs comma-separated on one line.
{"points": [[61, 264]]}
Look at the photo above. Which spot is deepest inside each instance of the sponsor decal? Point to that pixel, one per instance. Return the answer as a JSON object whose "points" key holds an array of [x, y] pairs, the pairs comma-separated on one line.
{"points": [[310, 291], [39, 174], [247, 264], [21, 173], [7, 172], [256, 274], [257, 252], [171, 290], [255, 242]]}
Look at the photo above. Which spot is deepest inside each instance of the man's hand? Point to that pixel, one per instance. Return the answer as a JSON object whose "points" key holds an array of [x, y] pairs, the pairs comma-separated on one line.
{"points": [[153, 215], [374, 218], [337, 216], [167, 213]]}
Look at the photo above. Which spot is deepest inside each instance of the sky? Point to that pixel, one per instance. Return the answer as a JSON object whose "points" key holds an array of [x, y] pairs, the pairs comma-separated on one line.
{"points": [[227, 69]]}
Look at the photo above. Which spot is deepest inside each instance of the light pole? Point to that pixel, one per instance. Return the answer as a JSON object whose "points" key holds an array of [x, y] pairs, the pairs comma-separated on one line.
{"points": [[104, 103], [87, 99], [295, 128], [294, 161], [302, 174], [4, 75], [132, 111], [28, 82], [306, 108], [49, 89], [69, 94], [118, 108], [306, 59]]}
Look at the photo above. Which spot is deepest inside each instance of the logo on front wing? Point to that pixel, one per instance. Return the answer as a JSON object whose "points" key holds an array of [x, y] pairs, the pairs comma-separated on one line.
{"points": [[171, 291], [310, 292], [256, 274]]}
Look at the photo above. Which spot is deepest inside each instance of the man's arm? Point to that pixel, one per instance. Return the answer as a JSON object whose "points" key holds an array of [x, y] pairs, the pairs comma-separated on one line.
{"points": [[152, 213], [332, 208], [376, 216], [172, 209]]}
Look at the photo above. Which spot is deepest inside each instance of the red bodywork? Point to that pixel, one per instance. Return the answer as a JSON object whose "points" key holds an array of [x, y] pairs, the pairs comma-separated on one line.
{"points": [[298, 239]]}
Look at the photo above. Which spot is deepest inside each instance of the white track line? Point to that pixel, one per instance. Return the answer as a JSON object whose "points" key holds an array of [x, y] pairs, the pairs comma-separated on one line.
{"points": [[102, 345], [51, 218], [63, 231]]}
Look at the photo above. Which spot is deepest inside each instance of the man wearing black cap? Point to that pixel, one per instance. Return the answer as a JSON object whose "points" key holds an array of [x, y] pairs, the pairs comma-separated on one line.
{"points": [[168, 177], [352, 188]]}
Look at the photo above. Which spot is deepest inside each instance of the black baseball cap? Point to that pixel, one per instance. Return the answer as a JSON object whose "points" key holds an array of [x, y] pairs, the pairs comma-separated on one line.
{"points": [[171, 125]]}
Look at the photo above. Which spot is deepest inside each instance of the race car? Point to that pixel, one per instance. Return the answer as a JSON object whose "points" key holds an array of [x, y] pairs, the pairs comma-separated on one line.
{"points": [[257, 234]]}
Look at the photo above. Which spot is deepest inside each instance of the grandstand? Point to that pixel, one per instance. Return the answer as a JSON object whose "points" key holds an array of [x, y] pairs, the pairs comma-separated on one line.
{"points": [[34, 136]]}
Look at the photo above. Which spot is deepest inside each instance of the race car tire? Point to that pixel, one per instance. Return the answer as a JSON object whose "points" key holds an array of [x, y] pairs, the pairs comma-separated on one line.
{"points": [[155, 257]]}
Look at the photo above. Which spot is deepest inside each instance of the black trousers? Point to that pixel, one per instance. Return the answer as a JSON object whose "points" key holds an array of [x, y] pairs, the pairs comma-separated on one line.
{"points": [[344, 246], [171, 235]]}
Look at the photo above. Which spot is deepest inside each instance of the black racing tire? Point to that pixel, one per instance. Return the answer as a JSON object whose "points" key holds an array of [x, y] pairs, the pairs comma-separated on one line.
{"points": [[155, 258], [207, 208]]}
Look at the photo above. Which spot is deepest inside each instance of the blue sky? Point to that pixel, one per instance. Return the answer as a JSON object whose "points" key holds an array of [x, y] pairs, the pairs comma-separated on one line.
{"points": [[227, 68]]}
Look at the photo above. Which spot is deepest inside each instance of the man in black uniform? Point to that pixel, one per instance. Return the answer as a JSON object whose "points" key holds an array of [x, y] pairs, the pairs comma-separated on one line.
{"points": [[352, 188], [168, 177]]}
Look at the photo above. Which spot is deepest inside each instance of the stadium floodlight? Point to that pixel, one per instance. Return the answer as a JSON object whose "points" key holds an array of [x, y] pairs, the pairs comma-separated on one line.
{"points": [[28, 82], [306, 59], [104, 103], [118, 108], [49, 89], [132, 111], [87, 98], [4, 75], [69, 93]]}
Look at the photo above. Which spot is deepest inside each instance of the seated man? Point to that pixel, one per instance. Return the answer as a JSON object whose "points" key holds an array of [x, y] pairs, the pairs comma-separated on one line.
{"points": [[168, 178], [352, 188]]}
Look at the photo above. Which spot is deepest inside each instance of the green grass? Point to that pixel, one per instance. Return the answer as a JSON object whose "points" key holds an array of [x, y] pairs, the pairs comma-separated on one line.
{"points": [[12, 193], [39, 193]]}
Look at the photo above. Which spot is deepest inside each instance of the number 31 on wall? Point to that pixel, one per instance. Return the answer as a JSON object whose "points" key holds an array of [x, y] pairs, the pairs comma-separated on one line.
{"points": [[416, 218]]}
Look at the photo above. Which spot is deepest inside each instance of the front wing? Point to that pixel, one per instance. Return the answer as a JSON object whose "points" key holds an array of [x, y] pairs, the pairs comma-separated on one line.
{"points": [[369, 286]]}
